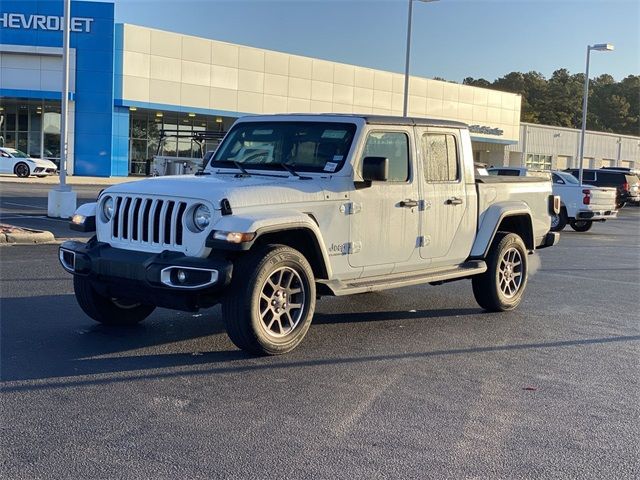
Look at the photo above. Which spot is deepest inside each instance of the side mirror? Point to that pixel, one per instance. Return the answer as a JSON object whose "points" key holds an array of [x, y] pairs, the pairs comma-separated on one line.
{"points": [[560, 182], [375, 169]]}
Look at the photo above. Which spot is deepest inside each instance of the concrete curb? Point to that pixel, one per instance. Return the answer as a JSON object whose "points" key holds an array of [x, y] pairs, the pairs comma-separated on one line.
{"points": [[54, 180], [26, 236]]}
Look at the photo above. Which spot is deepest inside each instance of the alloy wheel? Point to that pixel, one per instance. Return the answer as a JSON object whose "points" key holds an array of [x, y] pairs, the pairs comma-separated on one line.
{"points": [[510, 272], [282, 301]]}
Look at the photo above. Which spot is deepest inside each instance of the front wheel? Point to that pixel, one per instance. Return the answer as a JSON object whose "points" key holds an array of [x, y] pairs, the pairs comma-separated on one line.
{"points": [[581, 225], [22, 170], [620, 204], [271, 300], [107, 310], [501, 287]]}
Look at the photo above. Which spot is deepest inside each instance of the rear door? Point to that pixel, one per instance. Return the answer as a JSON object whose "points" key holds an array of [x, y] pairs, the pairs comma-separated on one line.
{"points": [[448, 221], [385, 218]]}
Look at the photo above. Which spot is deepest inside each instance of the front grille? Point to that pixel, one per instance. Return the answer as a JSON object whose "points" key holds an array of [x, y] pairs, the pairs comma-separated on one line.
{"points": [[152, 221]]}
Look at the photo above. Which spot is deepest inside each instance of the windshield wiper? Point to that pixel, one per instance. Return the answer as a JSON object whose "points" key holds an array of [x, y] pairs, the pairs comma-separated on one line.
{"points": [[291, 170], [240, 167]]}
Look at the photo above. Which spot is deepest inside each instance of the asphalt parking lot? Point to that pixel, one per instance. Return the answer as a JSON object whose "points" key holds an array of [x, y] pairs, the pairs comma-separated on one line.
{"points": [[413, 383]]}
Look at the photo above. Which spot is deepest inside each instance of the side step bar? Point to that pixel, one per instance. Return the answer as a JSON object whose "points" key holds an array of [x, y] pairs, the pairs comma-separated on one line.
{"points": [[405, 279]]}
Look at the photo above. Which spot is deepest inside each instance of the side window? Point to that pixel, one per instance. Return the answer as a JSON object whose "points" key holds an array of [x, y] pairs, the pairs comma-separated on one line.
{"points": [[557, 179], [588, 176], [440, 157], [395, 147]]}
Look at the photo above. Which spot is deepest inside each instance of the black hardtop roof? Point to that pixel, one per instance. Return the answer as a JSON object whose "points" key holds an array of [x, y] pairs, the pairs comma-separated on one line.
{"points": [[386, 119]]}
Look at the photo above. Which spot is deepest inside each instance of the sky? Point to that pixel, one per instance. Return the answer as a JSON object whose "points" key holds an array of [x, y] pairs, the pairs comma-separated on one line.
{"points": [[452, 39]]}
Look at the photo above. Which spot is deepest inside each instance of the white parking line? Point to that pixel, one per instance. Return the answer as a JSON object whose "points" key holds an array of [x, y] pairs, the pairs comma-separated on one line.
{"points": [[23, 205], [37, 217]]}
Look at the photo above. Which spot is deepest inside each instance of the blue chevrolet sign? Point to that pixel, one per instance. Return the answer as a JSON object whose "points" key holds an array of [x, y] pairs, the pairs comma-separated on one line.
{"points": [[98, 148]]}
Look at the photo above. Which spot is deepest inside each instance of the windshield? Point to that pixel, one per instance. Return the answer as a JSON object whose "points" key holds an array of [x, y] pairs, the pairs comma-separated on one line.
{"points": [[305, 146], [17, 153], [567, 177]]}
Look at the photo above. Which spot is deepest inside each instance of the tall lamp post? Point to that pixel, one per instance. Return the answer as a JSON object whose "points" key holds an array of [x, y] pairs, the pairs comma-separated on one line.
{"points": [[600, 47], [406, 63], [61, 201]]}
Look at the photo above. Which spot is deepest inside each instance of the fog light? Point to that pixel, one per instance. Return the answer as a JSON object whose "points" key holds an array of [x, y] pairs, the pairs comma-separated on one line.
{"points": [[182, 277]]}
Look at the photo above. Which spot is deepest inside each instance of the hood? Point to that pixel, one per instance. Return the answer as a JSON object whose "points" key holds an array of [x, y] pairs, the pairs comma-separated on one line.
{"points": [[42, 163], [240, 191]]}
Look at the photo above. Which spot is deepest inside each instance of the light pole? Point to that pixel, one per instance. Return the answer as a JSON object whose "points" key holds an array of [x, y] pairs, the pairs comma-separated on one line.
{"points": [[406, 63], [600, 47], [61, 201]]}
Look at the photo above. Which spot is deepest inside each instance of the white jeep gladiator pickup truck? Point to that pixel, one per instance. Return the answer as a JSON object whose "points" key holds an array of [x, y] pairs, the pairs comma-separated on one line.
{"points": [[293, 207]]}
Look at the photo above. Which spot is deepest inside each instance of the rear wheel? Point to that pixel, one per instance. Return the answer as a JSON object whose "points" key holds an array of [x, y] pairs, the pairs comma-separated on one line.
{"points": [[107, 310], [559, 220], [271, 300], [581, 225], [501, 287], [21, 170]]}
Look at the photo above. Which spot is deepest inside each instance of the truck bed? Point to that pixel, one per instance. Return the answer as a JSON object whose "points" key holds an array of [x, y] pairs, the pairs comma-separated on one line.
{"points": [[519, 193]]}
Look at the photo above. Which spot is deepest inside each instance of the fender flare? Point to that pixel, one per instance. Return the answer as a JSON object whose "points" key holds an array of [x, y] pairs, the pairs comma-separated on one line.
{"points": [[266, 222], [491, 220]]}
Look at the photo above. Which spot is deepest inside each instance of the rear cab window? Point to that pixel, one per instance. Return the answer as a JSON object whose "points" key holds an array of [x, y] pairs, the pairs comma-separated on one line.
{"points": [[441, 160]]}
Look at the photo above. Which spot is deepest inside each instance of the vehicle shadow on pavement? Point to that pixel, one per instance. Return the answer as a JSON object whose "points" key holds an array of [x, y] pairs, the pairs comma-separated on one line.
{"points": [[49, 336], [377, 316], [51, 339]]}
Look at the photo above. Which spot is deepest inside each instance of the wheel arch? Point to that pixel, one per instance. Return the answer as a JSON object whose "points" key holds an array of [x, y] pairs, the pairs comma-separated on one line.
{"points": [[15, 167], [296, 230], [300, 238], [512, 217]]}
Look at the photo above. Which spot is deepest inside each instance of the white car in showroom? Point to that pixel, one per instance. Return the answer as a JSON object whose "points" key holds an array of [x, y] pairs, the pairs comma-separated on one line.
{"points": [[20, 164]]}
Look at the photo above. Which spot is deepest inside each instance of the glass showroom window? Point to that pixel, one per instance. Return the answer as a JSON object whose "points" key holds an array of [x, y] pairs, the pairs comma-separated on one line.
{"points": [[32, 126], [538, 162]]}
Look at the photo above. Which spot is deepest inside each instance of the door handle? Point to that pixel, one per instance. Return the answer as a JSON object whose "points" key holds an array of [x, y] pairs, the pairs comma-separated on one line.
{"points": [[454, 201], [409, 203]]}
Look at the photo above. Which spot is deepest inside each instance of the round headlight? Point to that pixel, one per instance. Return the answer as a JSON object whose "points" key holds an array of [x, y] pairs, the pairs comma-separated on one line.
{"points": [[107, 208], [202, 217]]}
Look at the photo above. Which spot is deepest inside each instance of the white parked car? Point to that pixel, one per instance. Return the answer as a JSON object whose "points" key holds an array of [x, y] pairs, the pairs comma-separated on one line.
{"points": [[293, 207], [580, 205], [20, 164]]}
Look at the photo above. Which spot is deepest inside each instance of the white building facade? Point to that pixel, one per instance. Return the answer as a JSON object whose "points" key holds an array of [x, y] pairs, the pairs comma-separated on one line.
{"points": [[546, 147]]}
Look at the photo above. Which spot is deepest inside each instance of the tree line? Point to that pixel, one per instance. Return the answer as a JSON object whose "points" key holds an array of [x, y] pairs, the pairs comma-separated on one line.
{"points": [[613, 106]]}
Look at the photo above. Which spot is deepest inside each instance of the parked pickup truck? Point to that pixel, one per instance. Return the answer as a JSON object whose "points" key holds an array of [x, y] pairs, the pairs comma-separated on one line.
{"points": [[293, 207], [580, 205]]}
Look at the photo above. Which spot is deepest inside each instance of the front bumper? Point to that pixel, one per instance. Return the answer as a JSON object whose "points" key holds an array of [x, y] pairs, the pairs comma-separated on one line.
{"points": [[596, 215], [167, 279]]}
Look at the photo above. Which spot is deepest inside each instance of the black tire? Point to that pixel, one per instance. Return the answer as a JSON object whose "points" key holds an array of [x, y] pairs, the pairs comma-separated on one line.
{"points": [[250, 302], [488, 288], [559, 221], [22, 170], [619, 205], [581, 225], [108, 311]]}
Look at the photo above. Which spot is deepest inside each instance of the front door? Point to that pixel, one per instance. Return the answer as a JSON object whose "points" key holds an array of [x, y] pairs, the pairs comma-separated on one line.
{"points": [[385, 217], [447, 218], [6, 163]]}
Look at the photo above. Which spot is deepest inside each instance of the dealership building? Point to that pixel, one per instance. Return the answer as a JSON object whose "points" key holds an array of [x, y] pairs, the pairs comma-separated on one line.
{"points": [[129, 84]]}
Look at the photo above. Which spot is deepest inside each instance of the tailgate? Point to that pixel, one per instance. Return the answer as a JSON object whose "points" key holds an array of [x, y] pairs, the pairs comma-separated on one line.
{"points": [[603, 198]]}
